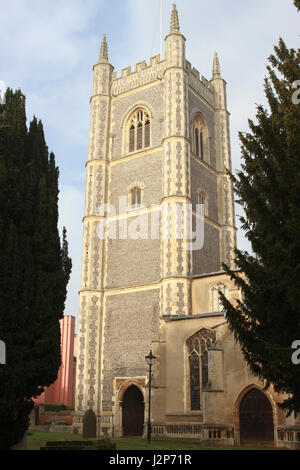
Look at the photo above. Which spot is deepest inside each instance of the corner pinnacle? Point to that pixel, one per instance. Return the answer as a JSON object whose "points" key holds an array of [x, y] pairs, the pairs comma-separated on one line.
{"points": [[216, 66], [174, 20], [103, 51]]}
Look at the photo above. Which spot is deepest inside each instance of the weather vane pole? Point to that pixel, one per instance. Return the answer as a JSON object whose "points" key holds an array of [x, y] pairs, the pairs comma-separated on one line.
{"points": [[161, 29]]}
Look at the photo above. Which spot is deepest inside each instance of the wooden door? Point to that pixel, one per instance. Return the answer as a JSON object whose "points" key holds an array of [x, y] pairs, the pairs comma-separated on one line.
{"points": [[256, 418], [133, 412]]}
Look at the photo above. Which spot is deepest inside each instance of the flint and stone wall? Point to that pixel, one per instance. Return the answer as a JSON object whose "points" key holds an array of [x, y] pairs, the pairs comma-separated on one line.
{"points": [[128, 286]]}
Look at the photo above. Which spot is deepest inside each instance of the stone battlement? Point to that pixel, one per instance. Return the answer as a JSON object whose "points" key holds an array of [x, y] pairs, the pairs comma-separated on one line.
{"points": [[142, 75], [200, 84], [195, 73]]}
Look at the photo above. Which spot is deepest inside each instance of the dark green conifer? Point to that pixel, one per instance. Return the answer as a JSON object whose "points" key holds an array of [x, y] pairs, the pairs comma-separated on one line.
{"points": [[35, 267], [267, 321]]}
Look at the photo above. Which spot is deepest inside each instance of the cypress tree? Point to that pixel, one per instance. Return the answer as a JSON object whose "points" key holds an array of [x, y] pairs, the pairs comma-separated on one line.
{"points": [[35, 267], [267, 321]]}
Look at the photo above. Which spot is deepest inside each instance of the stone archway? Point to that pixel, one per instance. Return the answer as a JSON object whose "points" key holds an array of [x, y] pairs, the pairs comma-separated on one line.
{"points": [[256, 418], [133, 412]]}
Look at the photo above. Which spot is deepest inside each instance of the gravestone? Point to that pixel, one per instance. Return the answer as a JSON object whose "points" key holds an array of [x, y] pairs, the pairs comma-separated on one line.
{"points": [[89, 425]]}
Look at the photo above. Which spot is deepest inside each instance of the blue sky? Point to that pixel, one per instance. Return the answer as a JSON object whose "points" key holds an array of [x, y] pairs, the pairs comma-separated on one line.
{"points": [[48, 48]]}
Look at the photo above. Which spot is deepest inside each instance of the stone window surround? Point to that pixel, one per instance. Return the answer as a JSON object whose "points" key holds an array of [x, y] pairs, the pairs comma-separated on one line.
{"points": [[199, 334], [198, 122], [134, 115], [202, 198], [216, 287], [132, 187]]}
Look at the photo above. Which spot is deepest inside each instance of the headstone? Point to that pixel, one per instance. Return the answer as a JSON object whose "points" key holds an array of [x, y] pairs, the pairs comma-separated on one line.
{"points": [[89, 425]]}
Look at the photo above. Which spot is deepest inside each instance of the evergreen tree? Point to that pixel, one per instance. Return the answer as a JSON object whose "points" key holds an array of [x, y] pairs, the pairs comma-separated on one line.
{"points": [[35, 267], [267, 321]]}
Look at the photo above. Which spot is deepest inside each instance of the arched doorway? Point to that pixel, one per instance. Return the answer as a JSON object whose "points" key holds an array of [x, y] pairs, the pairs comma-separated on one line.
{"points": [[256, 418], [133, 412]]}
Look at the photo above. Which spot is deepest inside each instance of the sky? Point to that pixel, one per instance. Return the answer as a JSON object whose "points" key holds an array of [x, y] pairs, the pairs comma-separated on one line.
{"points": [[48, 49]]}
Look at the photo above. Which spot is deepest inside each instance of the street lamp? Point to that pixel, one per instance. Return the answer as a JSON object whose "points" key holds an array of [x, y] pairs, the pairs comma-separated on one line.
{"points": [[150, 360]]}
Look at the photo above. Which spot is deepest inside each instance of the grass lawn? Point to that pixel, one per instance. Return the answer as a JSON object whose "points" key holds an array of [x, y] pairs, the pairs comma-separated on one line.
{"points": [[38, 439]]}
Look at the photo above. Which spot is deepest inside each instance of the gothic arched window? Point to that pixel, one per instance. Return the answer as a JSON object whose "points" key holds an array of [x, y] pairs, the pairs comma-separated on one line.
{"points": [[198, 347], [135, 198], [200, 138], [202, 202], [139, 130], [217, 305]]}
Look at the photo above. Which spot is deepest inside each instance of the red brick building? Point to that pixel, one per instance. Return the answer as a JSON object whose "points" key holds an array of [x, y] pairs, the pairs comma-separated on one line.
{"points": [[63, 389]]}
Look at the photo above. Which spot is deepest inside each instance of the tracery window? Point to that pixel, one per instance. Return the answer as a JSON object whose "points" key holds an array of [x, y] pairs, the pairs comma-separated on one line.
{"points": [[200, 138], [198, 347], [217, 305], [139, 130]]}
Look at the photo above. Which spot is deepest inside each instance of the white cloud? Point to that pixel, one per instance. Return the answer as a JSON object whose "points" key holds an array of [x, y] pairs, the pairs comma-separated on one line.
{"points": [[48, 35]]}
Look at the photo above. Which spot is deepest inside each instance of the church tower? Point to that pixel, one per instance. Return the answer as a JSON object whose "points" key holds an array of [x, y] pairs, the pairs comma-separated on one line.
{"points": [[159, 143]]}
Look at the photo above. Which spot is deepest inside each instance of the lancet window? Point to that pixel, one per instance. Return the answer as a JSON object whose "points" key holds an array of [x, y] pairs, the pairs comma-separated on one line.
{"points": [[139, 130]]}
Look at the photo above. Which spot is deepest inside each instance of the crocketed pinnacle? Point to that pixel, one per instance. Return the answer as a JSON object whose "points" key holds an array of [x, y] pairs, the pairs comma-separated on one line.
{"points": [[103, 50], [216, 66], [174, 20]]}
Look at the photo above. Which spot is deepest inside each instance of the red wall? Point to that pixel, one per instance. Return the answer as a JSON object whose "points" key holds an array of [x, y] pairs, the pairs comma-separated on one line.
{"points": [[63, 390]]}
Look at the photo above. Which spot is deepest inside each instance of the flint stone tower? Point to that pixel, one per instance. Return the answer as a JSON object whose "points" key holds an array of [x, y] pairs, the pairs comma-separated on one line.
{"points": [[159, 137]]}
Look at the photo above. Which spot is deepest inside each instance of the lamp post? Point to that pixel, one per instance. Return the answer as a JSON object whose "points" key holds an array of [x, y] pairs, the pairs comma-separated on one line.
{"points": [[150, 360]]}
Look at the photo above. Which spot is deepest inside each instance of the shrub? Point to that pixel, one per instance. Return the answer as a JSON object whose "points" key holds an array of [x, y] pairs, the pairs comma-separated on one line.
{"points": [[54, 406]]}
